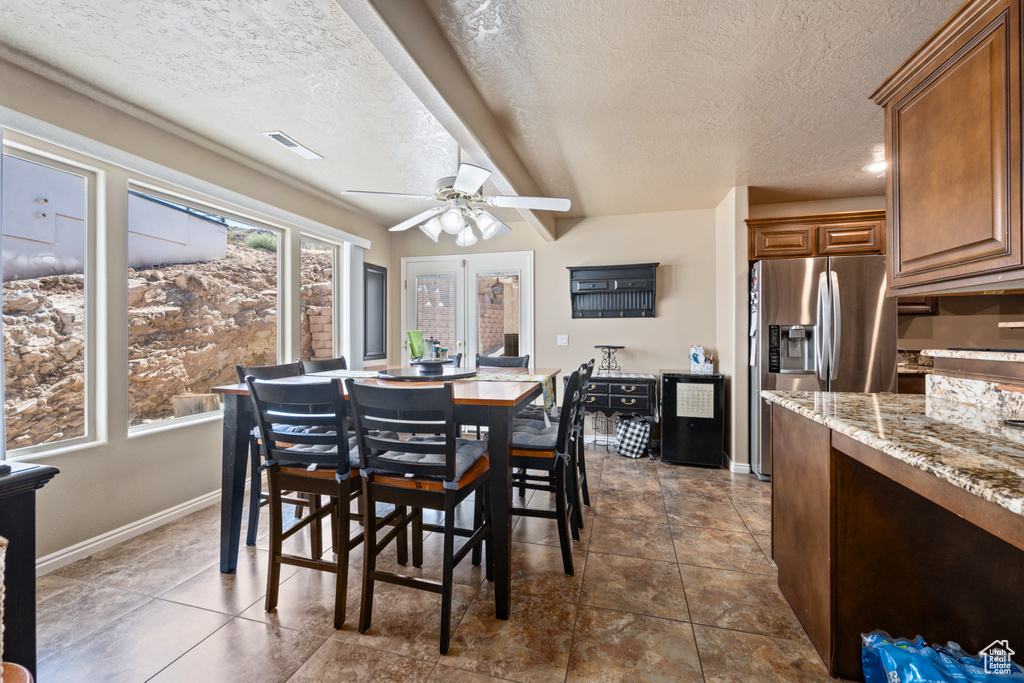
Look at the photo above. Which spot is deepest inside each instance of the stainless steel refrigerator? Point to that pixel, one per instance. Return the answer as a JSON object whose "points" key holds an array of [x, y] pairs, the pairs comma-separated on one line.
{"points": [[817, 324]]}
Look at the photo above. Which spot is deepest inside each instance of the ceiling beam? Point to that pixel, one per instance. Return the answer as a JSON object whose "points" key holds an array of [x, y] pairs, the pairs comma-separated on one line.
{"points": [[405, 33]]}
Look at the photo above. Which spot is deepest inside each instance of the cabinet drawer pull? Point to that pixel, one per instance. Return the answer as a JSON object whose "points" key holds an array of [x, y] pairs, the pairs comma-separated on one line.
{"points": [[627, 389], [591, 399], [630, 402], [591, 387]]}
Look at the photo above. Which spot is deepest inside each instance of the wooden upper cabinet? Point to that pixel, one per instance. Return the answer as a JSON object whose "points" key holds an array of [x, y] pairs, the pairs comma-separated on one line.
{"points": [[953, 140], [830, 234]]}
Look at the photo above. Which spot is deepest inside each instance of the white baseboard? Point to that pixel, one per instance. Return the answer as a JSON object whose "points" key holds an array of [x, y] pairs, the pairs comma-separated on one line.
{"points": [[737, 467], [54, 561]]}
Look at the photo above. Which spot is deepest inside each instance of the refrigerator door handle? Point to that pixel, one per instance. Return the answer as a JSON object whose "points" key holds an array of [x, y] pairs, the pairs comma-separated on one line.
{"points": [[837, 327], [823, 326]]}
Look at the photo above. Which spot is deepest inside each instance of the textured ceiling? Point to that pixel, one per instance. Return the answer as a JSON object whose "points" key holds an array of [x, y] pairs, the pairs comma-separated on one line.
{"points": [[622, 106], [657, 105]]}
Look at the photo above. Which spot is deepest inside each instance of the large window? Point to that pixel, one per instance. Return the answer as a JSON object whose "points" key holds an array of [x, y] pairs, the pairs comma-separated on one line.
{"points": [[318, 262], [45, 227], [202, 297]]}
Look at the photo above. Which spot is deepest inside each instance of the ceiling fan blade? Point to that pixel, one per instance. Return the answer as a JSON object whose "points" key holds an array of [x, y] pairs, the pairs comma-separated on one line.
{"points": [[418, 218], [401, 195], [470, 178], [540, 203]]}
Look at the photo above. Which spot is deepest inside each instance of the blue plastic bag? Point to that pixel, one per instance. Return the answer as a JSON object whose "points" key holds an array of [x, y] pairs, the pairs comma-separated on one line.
{"points": [[885, 659]]}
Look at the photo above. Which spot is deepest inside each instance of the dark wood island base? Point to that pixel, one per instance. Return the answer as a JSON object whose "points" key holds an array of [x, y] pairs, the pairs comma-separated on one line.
{"points": [[864, 541]]}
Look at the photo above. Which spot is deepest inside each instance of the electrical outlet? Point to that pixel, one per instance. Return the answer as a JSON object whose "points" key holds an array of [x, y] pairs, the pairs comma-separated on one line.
{"points": [[563, 340]]}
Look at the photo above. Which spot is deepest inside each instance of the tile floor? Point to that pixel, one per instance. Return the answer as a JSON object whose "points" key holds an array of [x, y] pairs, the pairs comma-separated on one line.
{"points": [[672, 583]]}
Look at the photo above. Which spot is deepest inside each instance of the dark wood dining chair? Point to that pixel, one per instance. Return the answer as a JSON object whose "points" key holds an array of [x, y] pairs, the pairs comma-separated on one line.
{"points": [[502, 361], [306, 447], [323, 365], [257, 497], [540, 458], [422, 472]]}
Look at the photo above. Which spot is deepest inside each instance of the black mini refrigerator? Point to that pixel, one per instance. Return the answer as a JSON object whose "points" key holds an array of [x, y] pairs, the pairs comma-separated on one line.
{"points": [[692, 418]]}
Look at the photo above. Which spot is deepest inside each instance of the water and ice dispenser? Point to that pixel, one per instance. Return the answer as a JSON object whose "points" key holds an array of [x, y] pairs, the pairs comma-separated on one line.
{"points": [[791, 348]]}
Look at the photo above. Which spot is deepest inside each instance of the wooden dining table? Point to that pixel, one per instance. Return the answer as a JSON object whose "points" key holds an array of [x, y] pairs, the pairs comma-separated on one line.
{"points": [[485, 402]]}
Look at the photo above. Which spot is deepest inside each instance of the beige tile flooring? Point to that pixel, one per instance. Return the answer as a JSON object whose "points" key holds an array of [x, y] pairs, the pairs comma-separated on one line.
{"points": [[672, 583]]}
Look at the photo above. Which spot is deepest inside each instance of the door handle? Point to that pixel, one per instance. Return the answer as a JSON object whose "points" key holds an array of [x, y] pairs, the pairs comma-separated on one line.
{"points": [[837, 327], [822, 328]]}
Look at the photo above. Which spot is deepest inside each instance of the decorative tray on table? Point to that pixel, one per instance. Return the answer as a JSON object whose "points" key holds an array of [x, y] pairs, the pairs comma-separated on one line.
{"points": [[435, 371]]}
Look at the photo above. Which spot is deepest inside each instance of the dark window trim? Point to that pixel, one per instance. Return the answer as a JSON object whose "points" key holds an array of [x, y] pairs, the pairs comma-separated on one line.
{"points": [[369, 271]]}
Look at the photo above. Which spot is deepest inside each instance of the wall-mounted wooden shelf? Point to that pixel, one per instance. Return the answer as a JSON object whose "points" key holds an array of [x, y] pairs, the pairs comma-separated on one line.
{"points": [[627, 291]]}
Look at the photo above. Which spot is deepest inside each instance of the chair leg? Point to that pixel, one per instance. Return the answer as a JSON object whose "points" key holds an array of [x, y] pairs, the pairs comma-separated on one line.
{"points": [[342, 531], [403, 538], [446, 572], [478, 517], [255, 494], [417, 537], [575, 501], [522, 486], [489, 538], [581, 463], [276, 530], [369, 560], [316, 529], [563, 517]]}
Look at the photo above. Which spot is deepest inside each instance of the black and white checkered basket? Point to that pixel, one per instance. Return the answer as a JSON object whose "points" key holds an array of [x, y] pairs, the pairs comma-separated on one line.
{"points": [[632, 431]]}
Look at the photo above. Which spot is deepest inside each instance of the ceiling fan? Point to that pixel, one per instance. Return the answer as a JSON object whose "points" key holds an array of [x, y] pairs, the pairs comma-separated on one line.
{"points": [[458, 215]]}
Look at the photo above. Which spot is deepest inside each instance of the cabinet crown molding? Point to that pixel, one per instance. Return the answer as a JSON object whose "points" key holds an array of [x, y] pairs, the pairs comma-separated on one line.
{"points": [[818, 218]]}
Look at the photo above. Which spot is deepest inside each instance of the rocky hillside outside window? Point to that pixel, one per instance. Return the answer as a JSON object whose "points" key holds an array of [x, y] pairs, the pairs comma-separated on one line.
{"points": [[45, 225], [202, 297], [318, 263]]}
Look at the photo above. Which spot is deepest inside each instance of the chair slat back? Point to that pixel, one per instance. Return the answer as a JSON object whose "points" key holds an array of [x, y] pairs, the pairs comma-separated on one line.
{"points": [[300, 423], [502, 361], [324, 365], [268, 371], [571, 404], [407, 411], [586, 371]]}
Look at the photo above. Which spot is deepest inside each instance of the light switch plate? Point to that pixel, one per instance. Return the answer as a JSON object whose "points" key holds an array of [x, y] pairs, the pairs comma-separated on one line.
{"points": [[563, 340]]}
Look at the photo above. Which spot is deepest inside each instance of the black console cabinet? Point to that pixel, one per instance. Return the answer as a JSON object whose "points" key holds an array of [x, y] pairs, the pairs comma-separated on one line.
{"points": [[18, 526], [613, 291]]}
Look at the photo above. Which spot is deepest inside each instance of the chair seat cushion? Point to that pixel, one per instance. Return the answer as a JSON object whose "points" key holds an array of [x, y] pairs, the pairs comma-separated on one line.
{"points": [[467, 452], [537, 437], [328, 449]]}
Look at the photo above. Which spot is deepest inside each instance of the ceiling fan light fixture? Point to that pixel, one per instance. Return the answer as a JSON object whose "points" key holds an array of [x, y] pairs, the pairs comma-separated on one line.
{"points": [[432, 228], [452, 221], [466, 238]]}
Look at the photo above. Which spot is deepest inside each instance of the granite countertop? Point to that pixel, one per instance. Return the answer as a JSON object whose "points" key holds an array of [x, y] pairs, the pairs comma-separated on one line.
{"points": [[913, 363], [966, 445], [913, 369], [1011, 356]]}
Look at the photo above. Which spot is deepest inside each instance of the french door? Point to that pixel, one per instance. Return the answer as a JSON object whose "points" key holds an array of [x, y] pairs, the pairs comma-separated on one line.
{"points": [[473, 303]]}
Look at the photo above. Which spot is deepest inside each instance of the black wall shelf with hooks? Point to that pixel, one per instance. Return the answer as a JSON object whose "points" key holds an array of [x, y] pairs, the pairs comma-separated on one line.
{"points": [[626, 291]]}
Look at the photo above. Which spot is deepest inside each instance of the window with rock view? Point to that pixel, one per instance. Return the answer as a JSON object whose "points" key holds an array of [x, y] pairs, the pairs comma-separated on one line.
{"points": [[202, 297], [45, 222], [316, 299], [498, 314]]}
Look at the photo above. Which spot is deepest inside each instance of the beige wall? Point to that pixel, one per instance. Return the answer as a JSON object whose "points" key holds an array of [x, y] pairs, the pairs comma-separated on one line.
{"points": [[683, 242], [965, 321], [119, 480], [820, 206]]}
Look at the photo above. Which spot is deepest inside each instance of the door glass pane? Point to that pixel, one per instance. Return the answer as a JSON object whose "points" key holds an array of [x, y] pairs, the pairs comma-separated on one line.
{"points": [[435, 310], [44, 232], [316, 300], [498, 314], [202, 296]]}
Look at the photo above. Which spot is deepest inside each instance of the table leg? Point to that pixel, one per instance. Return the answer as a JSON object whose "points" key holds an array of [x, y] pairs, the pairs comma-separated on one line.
{"points": [[499, 442], [238, 422]]}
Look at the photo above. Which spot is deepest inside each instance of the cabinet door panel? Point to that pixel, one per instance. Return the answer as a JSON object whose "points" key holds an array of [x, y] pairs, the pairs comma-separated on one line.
{"points": [[774, 242], [852, 238], [955, 154]]}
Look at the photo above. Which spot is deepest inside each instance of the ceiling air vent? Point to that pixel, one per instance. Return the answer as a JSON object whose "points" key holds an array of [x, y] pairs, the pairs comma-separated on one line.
{"points": [[281, 138]]}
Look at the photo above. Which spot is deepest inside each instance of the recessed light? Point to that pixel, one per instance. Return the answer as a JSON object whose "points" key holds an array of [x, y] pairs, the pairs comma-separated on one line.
{"points": [[282, 139]]}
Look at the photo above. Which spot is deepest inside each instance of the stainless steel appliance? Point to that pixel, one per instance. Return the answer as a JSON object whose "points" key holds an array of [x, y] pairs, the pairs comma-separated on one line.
{"points": [[817, 324]]}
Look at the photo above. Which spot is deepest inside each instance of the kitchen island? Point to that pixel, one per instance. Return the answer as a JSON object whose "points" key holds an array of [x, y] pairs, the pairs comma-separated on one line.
{"points": [[897, 512]]}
